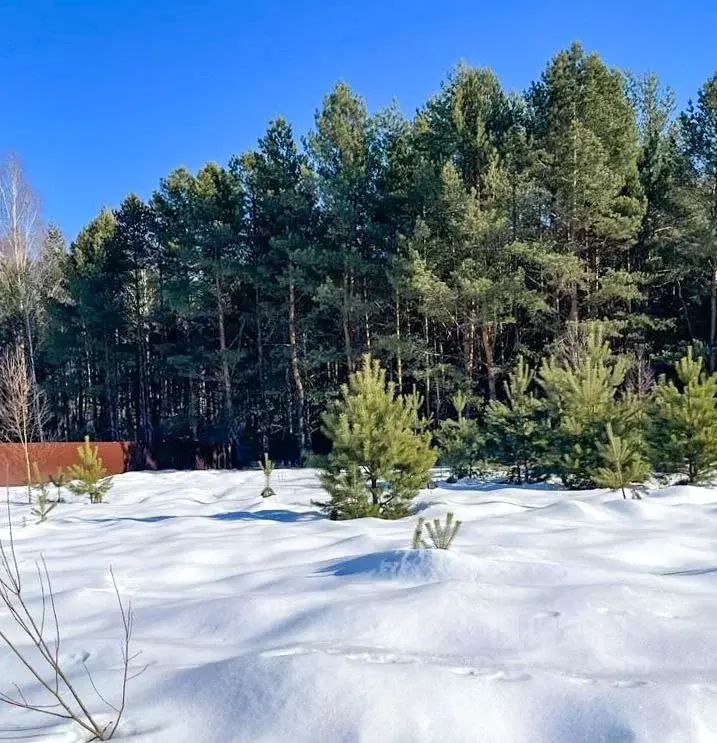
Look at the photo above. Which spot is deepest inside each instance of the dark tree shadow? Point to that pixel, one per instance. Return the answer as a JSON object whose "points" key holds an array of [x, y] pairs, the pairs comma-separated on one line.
{"points": [[488, 486], [283, 516]]}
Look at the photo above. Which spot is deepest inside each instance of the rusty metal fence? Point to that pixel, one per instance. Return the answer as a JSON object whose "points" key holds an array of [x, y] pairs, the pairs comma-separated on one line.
{"points": [[117, 457]]}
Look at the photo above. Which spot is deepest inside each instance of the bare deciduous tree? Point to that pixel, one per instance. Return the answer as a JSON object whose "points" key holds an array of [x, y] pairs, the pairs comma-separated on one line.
{"points": [[21, 237], [43, 664], [23, 412]]}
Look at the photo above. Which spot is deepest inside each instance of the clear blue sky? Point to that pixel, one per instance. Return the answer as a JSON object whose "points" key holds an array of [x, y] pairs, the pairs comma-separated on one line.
{"points": [[104, 97]]}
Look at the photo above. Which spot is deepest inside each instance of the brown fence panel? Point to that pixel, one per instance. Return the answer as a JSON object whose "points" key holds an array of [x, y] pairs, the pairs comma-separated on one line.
{"points": [[117, 457]]}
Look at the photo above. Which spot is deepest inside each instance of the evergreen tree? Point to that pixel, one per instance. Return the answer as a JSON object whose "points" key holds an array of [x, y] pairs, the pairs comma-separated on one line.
{"points": [[516, 430], [381, 455], [683, 422], [89, 477], [460, 442], [699, 127], [581, 383], [623, 464], [585, 128]]}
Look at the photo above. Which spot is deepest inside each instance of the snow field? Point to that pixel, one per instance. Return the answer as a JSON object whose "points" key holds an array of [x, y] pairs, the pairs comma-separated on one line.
{"points": [[558, 617]]}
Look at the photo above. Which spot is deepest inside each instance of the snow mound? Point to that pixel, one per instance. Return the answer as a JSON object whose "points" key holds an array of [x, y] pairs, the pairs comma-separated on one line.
{"points": [[422, 566]]}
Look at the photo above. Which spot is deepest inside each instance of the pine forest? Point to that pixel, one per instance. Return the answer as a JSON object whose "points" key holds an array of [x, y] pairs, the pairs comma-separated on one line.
{"points": [[497, 252]]}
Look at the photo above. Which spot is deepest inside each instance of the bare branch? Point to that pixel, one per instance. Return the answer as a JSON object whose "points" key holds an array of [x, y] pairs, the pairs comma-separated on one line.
{"points": [[48, 671]]}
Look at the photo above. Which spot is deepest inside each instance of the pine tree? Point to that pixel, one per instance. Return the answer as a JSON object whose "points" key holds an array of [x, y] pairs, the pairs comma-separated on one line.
{"points": [[89, 475], [440, 534], [584, 125], [581, 383], [699, 129], [623, 464], [683, 422], [43, 506], [515, 429], [460, 442], [267, 467], [381, 454]]}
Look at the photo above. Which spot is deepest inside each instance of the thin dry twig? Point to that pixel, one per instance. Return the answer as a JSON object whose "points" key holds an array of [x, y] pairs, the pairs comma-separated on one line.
{"points": [[67, 703]]}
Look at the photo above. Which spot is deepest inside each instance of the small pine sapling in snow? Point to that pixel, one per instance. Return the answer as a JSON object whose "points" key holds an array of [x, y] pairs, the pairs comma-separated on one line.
{"points": [[267, 467], [682, 430], [381, 453], [460, 442], [623, 465], [89, 474], [43, 505], [582, 382], [59, 480], [515, 429], [441, 535], [418, 542]]}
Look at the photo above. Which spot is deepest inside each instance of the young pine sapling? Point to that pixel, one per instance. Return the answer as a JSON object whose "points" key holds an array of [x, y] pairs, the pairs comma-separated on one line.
{"points": [[441, 535], [42, 505], [59, 480], [89, 475], [623, 464], [267, 467]]}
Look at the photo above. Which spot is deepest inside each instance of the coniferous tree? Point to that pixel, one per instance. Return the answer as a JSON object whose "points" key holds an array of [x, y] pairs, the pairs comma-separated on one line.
{"points": [[683, 422], [699, 126], [516, 428], [89, 477], [381, 455], [585, 128], [623, 465], [461, 443], [581, 382]]}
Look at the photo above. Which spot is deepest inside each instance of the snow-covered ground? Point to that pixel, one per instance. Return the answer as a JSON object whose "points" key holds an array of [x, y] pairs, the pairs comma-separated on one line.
{"points": [[556, 618]]}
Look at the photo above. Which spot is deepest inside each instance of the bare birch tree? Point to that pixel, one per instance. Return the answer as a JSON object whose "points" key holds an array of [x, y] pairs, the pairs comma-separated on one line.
{"points": [[21, 237], [23, 412]]}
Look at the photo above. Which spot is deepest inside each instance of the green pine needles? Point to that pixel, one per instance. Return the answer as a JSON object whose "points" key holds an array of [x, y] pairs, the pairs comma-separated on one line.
{"points": [[88, 476], [381, 454], [624, 464], [59, 480], [42, 505], [460, 442], [683, 422], [583, 387], [267, 467], [440, 534], [517, 434]]}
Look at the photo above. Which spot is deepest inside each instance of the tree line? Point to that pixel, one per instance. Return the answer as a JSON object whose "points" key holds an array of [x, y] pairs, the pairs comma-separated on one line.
{"points": [[228, 308]]}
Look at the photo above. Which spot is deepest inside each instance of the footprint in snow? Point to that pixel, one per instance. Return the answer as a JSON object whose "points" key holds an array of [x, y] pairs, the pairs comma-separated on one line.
{"points": [[513, 676], [281, 652], [75, 658], [628, 684]]}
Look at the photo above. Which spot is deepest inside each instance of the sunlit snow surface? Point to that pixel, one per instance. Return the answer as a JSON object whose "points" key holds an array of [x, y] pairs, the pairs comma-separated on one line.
{"points": [[558, 617]]}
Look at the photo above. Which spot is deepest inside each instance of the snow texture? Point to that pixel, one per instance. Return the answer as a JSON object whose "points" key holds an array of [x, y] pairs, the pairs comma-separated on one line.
{"points": [[557, 617]]}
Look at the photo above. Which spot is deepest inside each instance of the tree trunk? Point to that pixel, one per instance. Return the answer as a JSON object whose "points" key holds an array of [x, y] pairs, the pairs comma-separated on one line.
{"points": [[488, 338], [33, 375], [345, 321], [295, 370], [366, 320], [713, 317], [226, 375], [428, 366], [262, 382], [573, 316], [399, 358], [469, 335]]}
